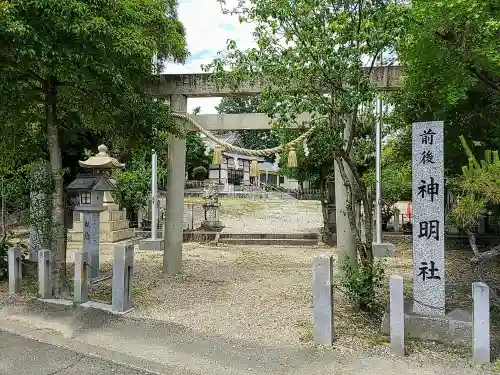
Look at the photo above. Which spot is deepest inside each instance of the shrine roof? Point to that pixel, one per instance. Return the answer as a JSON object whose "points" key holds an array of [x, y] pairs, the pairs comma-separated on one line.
{"points": [[90, 182]]}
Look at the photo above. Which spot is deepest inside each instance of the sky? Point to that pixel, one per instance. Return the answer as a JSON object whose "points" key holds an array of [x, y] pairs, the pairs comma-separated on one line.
{"points": [[207, 31]]}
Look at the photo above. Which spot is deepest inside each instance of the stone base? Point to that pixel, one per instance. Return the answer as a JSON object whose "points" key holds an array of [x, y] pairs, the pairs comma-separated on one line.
{"points": [[452, 328], [151, 245], [104, 307], [114, 236], [55, 301], [211, 226]]}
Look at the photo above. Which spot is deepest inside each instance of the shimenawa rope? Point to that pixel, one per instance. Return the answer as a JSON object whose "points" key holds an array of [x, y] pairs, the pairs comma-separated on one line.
{"points": [[245, 151]]}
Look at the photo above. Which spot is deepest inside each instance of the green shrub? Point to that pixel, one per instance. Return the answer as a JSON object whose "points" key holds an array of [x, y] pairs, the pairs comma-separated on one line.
{"points": [[361, 285], [200, 172], [5, 243]]}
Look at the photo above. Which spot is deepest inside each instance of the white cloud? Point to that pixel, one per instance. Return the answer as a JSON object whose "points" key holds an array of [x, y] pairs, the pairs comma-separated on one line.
{"points": [[207, 32]]}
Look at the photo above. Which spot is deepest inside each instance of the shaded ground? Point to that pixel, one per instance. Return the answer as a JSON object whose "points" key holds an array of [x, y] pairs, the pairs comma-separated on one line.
{"points": [[262, 295], [22, 356]]}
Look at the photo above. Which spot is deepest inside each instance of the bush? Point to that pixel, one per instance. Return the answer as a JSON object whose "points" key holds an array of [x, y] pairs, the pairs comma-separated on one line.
{"points": [[199, 172], [133, 188], [467, 212], [362, 284], [4, 261]]}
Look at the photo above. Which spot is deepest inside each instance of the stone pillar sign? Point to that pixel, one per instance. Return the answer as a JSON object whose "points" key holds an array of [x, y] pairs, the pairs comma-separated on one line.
{"points": [[428, 219], [91, 222]]}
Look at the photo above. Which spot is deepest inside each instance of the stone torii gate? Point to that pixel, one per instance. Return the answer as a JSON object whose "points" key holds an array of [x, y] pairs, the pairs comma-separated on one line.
{"points": [[178, 88]]}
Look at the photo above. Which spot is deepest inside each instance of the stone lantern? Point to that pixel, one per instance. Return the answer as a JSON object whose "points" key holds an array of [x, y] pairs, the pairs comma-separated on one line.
{"points": [[211, 207], [92, 192]]}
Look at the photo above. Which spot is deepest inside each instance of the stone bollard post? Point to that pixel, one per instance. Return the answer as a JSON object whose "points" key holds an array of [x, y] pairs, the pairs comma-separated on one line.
{"points": [[397, 316], [481, 324], [397, 220], [81, 286], [323, 299], [15, 269], [44, 274], [123, 265]]}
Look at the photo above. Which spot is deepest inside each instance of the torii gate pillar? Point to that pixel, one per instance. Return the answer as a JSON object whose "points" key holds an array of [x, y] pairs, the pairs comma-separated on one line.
{"points": [[172, 254]]}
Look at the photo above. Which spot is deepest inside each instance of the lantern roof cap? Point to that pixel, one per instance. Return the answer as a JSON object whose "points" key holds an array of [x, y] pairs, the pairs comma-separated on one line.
{"points": [[101, 160], [90, 182]]}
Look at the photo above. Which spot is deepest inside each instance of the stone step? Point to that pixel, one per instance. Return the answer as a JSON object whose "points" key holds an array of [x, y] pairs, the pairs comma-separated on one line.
{"points": [[254, 238], [291, 236], [269, 241]]}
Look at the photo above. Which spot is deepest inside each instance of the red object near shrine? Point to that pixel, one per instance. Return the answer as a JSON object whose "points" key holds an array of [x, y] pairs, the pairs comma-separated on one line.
{"points": [[408, 211]]}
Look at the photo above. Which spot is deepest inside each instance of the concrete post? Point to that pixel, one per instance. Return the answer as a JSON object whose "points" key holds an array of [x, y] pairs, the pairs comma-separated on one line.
{"points": [[45, 274], [397, 316], [172, 255], [154, 196], [323, 299], [36, 212], [139, 219], [481, 324], [345, 237], [81, 286], [15, 269], [123, 265], [397, 220]]}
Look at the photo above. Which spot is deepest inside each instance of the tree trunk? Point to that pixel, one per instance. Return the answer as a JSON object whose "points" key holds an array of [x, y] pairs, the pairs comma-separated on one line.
{"points": [[472, 242], [329, 215], [58, 243], [493, 253]]}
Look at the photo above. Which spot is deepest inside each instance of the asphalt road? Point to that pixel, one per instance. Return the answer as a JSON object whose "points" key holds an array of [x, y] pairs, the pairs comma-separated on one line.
{"points": [[22, 356]]}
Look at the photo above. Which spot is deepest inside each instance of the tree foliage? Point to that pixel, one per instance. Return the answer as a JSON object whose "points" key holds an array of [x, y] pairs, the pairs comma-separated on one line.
{"points": [[396, 171], [133, 185], [195, 152], [479, 189], [310, 54], [251, 139], [75, 64], [451, 57]]}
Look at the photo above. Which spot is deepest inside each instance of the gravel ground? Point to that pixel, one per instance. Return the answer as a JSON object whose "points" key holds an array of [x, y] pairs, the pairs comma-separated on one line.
{"points": [[261, 295], [272, 216], [219, 284]]}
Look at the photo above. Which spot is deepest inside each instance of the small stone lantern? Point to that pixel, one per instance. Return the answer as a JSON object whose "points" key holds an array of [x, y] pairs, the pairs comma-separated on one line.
{"points": [[211, 206], [93, 191]]}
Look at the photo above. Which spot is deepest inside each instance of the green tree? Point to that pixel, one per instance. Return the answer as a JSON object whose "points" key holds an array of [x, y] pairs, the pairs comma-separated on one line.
{"points": [[133, 185], [310, 54], [451, 57], [396, 171], [251, 139], [195, 152], [84, 62], [479, 188]]}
